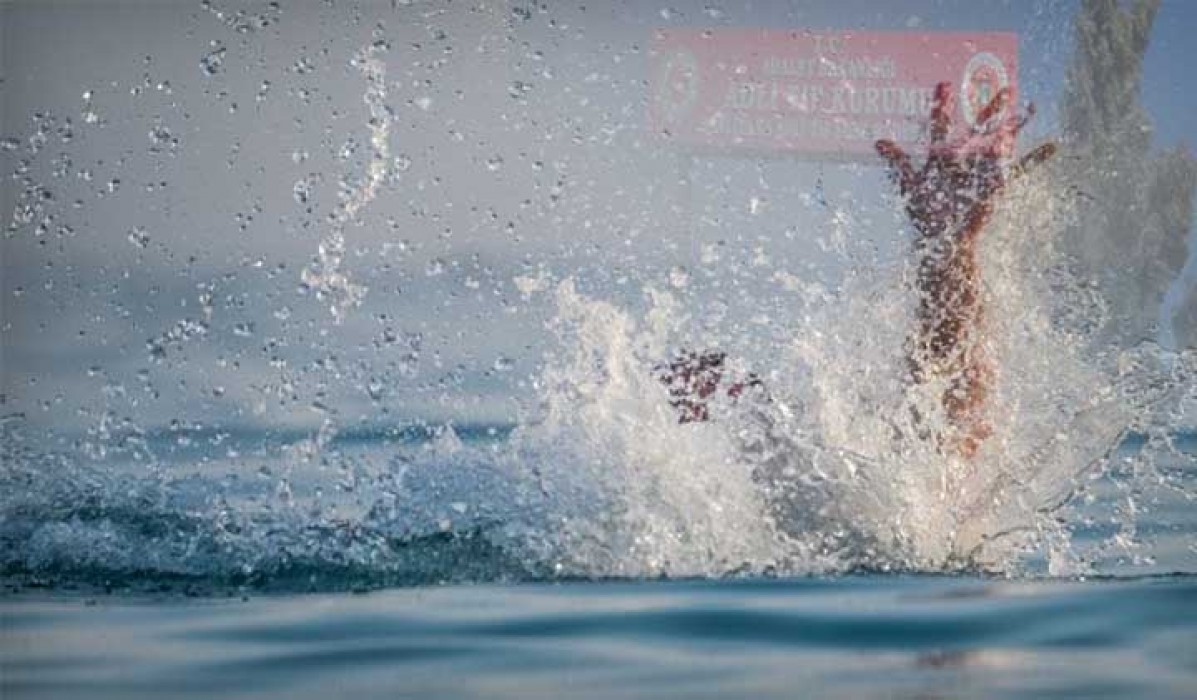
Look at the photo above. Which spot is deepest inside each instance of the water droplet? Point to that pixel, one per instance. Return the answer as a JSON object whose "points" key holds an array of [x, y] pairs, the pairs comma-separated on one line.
{"points": [[302, 191], [709, 253], [518, 89], [679, 277], [504, 364], [375, 389], [213, 61], [303, 66], [494, 163], [435, 267], [161, 137], [409, 364], [139, 237]]}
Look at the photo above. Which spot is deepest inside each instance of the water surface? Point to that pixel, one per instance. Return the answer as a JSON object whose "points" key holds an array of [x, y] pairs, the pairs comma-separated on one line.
{"points": [[852, 637]]}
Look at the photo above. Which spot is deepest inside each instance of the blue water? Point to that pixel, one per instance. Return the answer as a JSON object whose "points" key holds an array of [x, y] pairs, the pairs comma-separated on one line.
{"points": [[851, 637], [207, 581], [208, 487]]}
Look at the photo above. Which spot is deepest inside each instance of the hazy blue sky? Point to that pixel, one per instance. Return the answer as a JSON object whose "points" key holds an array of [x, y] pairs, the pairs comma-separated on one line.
{"points": [[520, 147]]}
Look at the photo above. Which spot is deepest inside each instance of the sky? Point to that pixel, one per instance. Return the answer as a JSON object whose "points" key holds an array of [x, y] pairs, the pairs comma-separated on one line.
{"points": [[207, 150]]}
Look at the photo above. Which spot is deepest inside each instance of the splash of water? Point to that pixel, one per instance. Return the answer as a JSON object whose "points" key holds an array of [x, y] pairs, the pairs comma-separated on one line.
{"points": [[327, 274], [629, 491], [832, 473], [843, 467]]}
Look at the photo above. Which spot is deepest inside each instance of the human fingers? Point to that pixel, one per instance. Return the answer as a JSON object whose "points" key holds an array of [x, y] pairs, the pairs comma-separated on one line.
{"points": [[1011, 129], [995, 107], [899, 163], [942, 106], [1032, 159]]}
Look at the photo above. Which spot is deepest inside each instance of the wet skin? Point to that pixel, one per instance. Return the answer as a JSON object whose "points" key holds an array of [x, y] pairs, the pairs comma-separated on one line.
{"points": [[693, 378], [949, 201]]}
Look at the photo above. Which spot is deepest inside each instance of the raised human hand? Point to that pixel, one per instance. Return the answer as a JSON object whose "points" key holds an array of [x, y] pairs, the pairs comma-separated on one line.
{"points": [[954, 191]]}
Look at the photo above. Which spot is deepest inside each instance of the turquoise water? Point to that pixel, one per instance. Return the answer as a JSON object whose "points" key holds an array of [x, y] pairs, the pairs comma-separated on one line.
{"points": [[836, 637]]}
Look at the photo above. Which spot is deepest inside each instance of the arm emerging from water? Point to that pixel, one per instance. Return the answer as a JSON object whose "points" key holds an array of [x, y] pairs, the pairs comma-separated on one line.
{"points": [[959, 182], [949, 201]]}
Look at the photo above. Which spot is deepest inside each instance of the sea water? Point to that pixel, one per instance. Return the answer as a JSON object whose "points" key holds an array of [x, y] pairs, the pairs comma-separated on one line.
{"points": [[203, 585], [842, 637], [816, 540]]}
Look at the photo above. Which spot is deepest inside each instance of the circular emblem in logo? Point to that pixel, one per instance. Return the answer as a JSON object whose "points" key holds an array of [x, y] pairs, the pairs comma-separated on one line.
{"points": [[984, 76], [677, 86]]}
